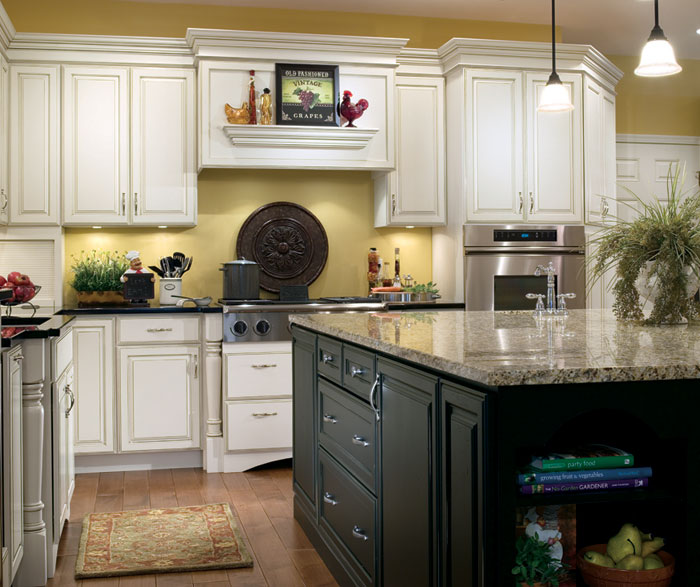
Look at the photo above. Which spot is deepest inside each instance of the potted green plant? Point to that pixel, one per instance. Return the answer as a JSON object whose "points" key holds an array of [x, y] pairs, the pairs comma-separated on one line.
{"points": [[534, 564], [96, 277], [657, 254], [424, 291]]}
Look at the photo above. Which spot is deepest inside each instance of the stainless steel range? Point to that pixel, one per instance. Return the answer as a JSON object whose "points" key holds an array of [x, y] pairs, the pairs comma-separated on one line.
{"points": [[268, 320]]}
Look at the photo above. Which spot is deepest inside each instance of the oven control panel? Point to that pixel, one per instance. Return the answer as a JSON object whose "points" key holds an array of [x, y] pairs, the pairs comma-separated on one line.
{"points": [[524, 235]]}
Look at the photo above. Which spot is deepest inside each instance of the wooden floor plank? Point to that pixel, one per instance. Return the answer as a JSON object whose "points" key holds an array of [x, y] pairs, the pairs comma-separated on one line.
{"points": [[136, 490], [262, 503], [161, 489]]}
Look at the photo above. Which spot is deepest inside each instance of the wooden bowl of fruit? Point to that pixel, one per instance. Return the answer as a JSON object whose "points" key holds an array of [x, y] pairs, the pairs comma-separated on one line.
{"points": [[597, 575]]}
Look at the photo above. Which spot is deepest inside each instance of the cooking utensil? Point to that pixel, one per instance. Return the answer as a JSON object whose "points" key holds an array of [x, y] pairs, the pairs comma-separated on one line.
{"points": [[156, 270], [205, 301], [179, 258], [187, 265], [241, 280]]}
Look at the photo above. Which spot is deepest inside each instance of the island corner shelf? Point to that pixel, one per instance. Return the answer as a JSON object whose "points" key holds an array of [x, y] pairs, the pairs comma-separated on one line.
{"points": [[304, 137]]}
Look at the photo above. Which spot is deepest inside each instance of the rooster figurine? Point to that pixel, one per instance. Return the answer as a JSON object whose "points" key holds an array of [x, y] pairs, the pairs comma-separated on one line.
{"points": [[351, 111]]}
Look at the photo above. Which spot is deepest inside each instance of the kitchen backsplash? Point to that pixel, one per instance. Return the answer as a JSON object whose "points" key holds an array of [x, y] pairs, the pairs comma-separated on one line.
{"points": [[341, 200]]}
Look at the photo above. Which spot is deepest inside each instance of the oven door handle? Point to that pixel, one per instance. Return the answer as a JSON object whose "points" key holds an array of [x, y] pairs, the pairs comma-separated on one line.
{"points": [[524, 250]]}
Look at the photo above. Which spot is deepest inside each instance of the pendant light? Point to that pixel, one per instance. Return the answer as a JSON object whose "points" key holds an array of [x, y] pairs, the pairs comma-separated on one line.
{"points": [[658, 58], [555, 96]]}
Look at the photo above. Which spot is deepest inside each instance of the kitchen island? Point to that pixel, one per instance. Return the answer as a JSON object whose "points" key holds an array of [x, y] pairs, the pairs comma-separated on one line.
{"points": [[410, 429]]}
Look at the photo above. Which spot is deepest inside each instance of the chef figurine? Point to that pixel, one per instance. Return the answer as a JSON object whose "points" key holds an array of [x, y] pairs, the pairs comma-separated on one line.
{"points": [[135, 265]]}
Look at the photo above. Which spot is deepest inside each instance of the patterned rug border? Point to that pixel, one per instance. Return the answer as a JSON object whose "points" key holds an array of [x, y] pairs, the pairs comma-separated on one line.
{"points": [[246, 562]]}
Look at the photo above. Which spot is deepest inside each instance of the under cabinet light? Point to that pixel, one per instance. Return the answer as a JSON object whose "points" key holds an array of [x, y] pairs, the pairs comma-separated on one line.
{"points": [[162, 226], [96, 227]]}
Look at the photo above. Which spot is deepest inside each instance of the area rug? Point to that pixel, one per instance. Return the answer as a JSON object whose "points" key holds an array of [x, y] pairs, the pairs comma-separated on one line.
{"points": [[194, 538]]}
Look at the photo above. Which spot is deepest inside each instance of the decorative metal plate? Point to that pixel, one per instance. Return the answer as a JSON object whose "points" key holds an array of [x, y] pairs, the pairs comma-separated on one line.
{"points": [[287, 241]]}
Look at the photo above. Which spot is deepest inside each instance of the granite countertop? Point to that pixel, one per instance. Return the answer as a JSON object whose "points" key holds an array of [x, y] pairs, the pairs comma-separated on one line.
{"points": [[512, 348]]}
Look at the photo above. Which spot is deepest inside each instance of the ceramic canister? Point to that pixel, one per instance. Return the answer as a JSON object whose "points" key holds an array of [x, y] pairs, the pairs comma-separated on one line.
{"points": [[169, 287]]}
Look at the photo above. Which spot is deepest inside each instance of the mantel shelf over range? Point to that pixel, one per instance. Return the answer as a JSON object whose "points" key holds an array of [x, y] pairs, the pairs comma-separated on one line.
{"points": [[307, 137]]}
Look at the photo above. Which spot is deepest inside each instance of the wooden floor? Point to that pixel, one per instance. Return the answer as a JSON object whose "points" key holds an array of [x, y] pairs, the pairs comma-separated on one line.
{"points": [[261, 501]]}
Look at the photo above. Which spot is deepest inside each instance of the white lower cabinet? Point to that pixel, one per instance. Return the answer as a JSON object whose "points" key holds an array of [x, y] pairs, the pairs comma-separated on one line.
{"points": [[12, 460], [159, 397], [94, 385], [65, 454], [257, 402]]}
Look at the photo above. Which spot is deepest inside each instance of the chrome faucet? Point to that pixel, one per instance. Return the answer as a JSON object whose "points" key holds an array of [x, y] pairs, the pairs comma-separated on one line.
{"points": [[550, 272]]}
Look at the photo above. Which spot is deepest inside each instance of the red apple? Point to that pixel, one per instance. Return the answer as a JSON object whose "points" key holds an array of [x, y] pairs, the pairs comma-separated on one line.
{"points": [[24, 293], [3, 281], [18, 278]]}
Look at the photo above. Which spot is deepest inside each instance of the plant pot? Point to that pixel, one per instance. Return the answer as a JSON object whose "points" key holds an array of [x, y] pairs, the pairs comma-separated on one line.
{"points": [[100, 298], [597, 576]]}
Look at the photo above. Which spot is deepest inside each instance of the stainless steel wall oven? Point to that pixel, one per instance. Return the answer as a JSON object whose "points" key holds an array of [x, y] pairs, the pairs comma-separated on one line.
{"points": [[500, 263]]}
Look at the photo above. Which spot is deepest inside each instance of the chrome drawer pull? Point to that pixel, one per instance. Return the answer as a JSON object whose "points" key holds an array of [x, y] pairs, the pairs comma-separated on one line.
{"points": [[330, 498], [359, 441], [326, 358], [373, 391], [356, 371], [69, 391], [358, 532], [263, 414], [330, 419], [159, 329], [264, 366], [19, 358]]}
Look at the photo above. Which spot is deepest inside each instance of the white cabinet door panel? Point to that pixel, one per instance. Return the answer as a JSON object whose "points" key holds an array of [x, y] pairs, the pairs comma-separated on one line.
{"points": [[96, 145], [262, 424], [94, 386], [34, 152], [164, 174], [159, 397], [4, 140], [494, 154], [555, 155]]}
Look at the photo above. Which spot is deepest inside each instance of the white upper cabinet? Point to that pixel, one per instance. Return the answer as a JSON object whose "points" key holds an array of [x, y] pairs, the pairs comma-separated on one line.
{"points": [[129, 146], [225, 59], [521, 165], [4, 140], [414, 194], [34, 147], [95, 145], [601, 205], [164, 166]]}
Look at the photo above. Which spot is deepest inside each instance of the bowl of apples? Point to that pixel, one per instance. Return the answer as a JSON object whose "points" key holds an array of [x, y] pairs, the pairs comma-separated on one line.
{"points": [[21, 287]]}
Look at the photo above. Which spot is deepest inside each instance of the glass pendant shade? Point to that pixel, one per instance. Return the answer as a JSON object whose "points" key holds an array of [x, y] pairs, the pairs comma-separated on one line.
{"points": [[658, 59], [555, 97]]}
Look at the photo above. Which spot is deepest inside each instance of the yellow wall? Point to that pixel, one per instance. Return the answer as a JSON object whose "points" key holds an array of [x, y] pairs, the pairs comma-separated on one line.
{"points": [[664, 105], [341, 200]]}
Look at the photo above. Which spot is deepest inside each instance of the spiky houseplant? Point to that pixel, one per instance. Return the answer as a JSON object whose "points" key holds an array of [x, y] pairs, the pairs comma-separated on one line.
{"points": [[534, 563], [98, 271], [662, 246]]}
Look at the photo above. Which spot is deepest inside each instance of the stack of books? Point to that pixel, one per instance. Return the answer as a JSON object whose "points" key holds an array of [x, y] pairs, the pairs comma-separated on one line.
{"points": [[593, 467]]}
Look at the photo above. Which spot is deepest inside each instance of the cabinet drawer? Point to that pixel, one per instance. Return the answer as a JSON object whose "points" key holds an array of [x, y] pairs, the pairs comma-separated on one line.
{"points": [[348, 431], [350, 511], [262, 424], [268, 374], [329, 358], [157, 329], [358, 371]]}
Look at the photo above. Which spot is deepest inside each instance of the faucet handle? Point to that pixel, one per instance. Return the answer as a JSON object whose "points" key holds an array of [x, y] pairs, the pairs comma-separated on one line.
{"points": [[546, 269], [539, 306], [561, 303]]}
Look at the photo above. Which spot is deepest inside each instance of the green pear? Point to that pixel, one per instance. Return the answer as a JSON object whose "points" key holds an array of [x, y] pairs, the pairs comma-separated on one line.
{"points": [[632, 562], [647, 536], [627, 541], [653, 561], [598, 558], [649, 546]]}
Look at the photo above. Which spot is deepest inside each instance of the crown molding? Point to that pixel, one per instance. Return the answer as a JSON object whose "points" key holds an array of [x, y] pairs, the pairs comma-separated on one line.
{"points": [[657, 139], [61, 48], [260, 45], [7, 29]]}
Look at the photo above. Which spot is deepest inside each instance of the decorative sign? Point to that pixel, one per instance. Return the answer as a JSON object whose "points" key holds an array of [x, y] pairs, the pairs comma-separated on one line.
{"points": [[138, 288], [306, 94]]}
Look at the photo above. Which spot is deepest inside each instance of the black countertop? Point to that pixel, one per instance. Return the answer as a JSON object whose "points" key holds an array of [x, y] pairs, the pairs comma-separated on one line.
{"points": [[415, 306], [28, 328], [90, 310]]}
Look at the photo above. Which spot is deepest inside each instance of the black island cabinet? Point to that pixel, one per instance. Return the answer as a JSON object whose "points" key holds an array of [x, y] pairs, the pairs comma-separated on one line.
{"points": [[406, 476]]}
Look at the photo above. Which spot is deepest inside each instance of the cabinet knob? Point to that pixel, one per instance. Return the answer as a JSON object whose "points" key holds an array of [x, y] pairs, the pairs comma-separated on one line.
{"points": [[330, 498], [356, 371], [330, 419], [359, 440], [19, 358], [326, 358], [358, 532]]}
